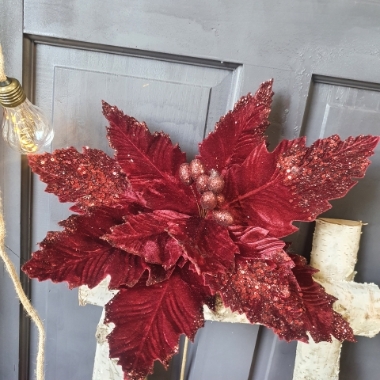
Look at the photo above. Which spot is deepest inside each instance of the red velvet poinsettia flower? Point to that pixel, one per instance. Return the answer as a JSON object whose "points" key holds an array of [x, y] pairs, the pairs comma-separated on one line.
{"points": [[173, 235]]}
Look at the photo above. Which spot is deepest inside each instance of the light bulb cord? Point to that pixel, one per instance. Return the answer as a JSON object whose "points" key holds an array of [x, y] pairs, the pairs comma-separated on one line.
{"points": [[3, 77], [24, 300]]}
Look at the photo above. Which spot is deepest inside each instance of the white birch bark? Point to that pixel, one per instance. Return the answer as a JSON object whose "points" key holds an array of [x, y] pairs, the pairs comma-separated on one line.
{"points": [[335, 247], [334, 253], [104, 367]]}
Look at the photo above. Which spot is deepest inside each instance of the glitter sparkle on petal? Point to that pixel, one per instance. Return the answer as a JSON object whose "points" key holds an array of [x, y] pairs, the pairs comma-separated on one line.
{"points": [[171, 245]]}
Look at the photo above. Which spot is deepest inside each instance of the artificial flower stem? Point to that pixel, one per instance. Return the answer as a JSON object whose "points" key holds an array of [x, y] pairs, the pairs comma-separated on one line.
{"points": [[200, 209], [184, 357]]}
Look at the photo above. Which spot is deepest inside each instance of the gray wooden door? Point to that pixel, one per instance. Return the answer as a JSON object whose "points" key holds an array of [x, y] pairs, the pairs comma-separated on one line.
{"points": [[179, 65]]}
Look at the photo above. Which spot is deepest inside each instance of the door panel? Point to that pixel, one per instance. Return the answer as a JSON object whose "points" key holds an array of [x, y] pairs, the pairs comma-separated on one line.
{"points": [[279, 34], [222, 351], [348, 107], [181, 98]]}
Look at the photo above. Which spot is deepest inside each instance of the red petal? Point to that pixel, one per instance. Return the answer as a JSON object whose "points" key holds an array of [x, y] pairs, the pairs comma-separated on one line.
{"points": [[271, 190], [78, 256], [322, 321], [238, 132], [267, 294], [150, 161], [149, 320], [286, 300], [91, 178], [255, 243], [206, 244], [157, 274], [145, 235]]}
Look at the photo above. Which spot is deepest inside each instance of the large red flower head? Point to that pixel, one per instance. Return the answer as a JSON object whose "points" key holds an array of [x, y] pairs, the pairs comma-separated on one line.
{"points": [[172, 235]]}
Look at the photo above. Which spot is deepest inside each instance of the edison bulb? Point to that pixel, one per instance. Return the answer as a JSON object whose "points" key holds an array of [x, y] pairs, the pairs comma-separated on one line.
{"points": [[25, 128]]}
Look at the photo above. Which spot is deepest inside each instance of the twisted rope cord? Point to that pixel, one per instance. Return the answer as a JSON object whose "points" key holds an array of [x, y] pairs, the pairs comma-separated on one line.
{"points": [[24, 300], [14, 277]]}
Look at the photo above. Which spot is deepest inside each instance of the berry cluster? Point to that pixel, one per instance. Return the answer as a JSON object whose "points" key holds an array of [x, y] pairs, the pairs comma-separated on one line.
{"points": [[210, 186]]}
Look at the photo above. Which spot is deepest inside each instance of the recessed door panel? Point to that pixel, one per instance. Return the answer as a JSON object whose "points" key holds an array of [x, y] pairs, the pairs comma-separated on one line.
{"points": [[180, 98]]}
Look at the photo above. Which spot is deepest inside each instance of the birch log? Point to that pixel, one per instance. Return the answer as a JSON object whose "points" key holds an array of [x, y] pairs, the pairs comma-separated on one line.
{"points": [[104, 367], [334, 253], [335, 247]]}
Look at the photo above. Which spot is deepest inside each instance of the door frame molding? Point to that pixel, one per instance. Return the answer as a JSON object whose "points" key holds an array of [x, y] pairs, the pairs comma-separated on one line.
{"points": [[32, 39]]}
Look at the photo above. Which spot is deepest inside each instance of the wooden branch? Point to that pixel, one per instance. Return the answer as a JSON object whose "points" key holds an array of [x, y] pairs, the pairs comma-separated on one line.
{"points": [[334, 253]]}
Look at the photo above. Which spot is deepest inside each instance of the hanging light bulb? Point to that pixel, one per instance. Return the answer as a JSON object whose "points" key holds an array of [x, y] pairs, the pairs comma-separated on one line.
{"points": [[25, 128]]}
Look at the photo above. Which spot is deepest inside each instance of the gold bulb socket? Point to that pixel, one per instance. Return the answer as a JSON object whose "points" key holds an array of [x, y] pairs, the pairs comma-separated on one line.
{"points": [[11, 93]]}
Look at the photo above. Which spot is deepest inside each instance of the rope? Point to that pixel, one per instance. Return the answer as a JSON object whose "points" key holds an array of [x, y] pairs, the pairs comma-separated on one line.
{"points": [[3, 78], [24, 300], [184, 357]]}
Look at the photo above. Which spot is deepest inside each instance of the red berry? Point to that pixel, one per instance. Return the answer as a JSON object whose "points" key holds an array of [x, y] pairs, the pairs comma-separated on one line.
{"points": [[215, 183], [223, 217], [202, 182], [196, 168], [208, 200], [185, 174]]}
